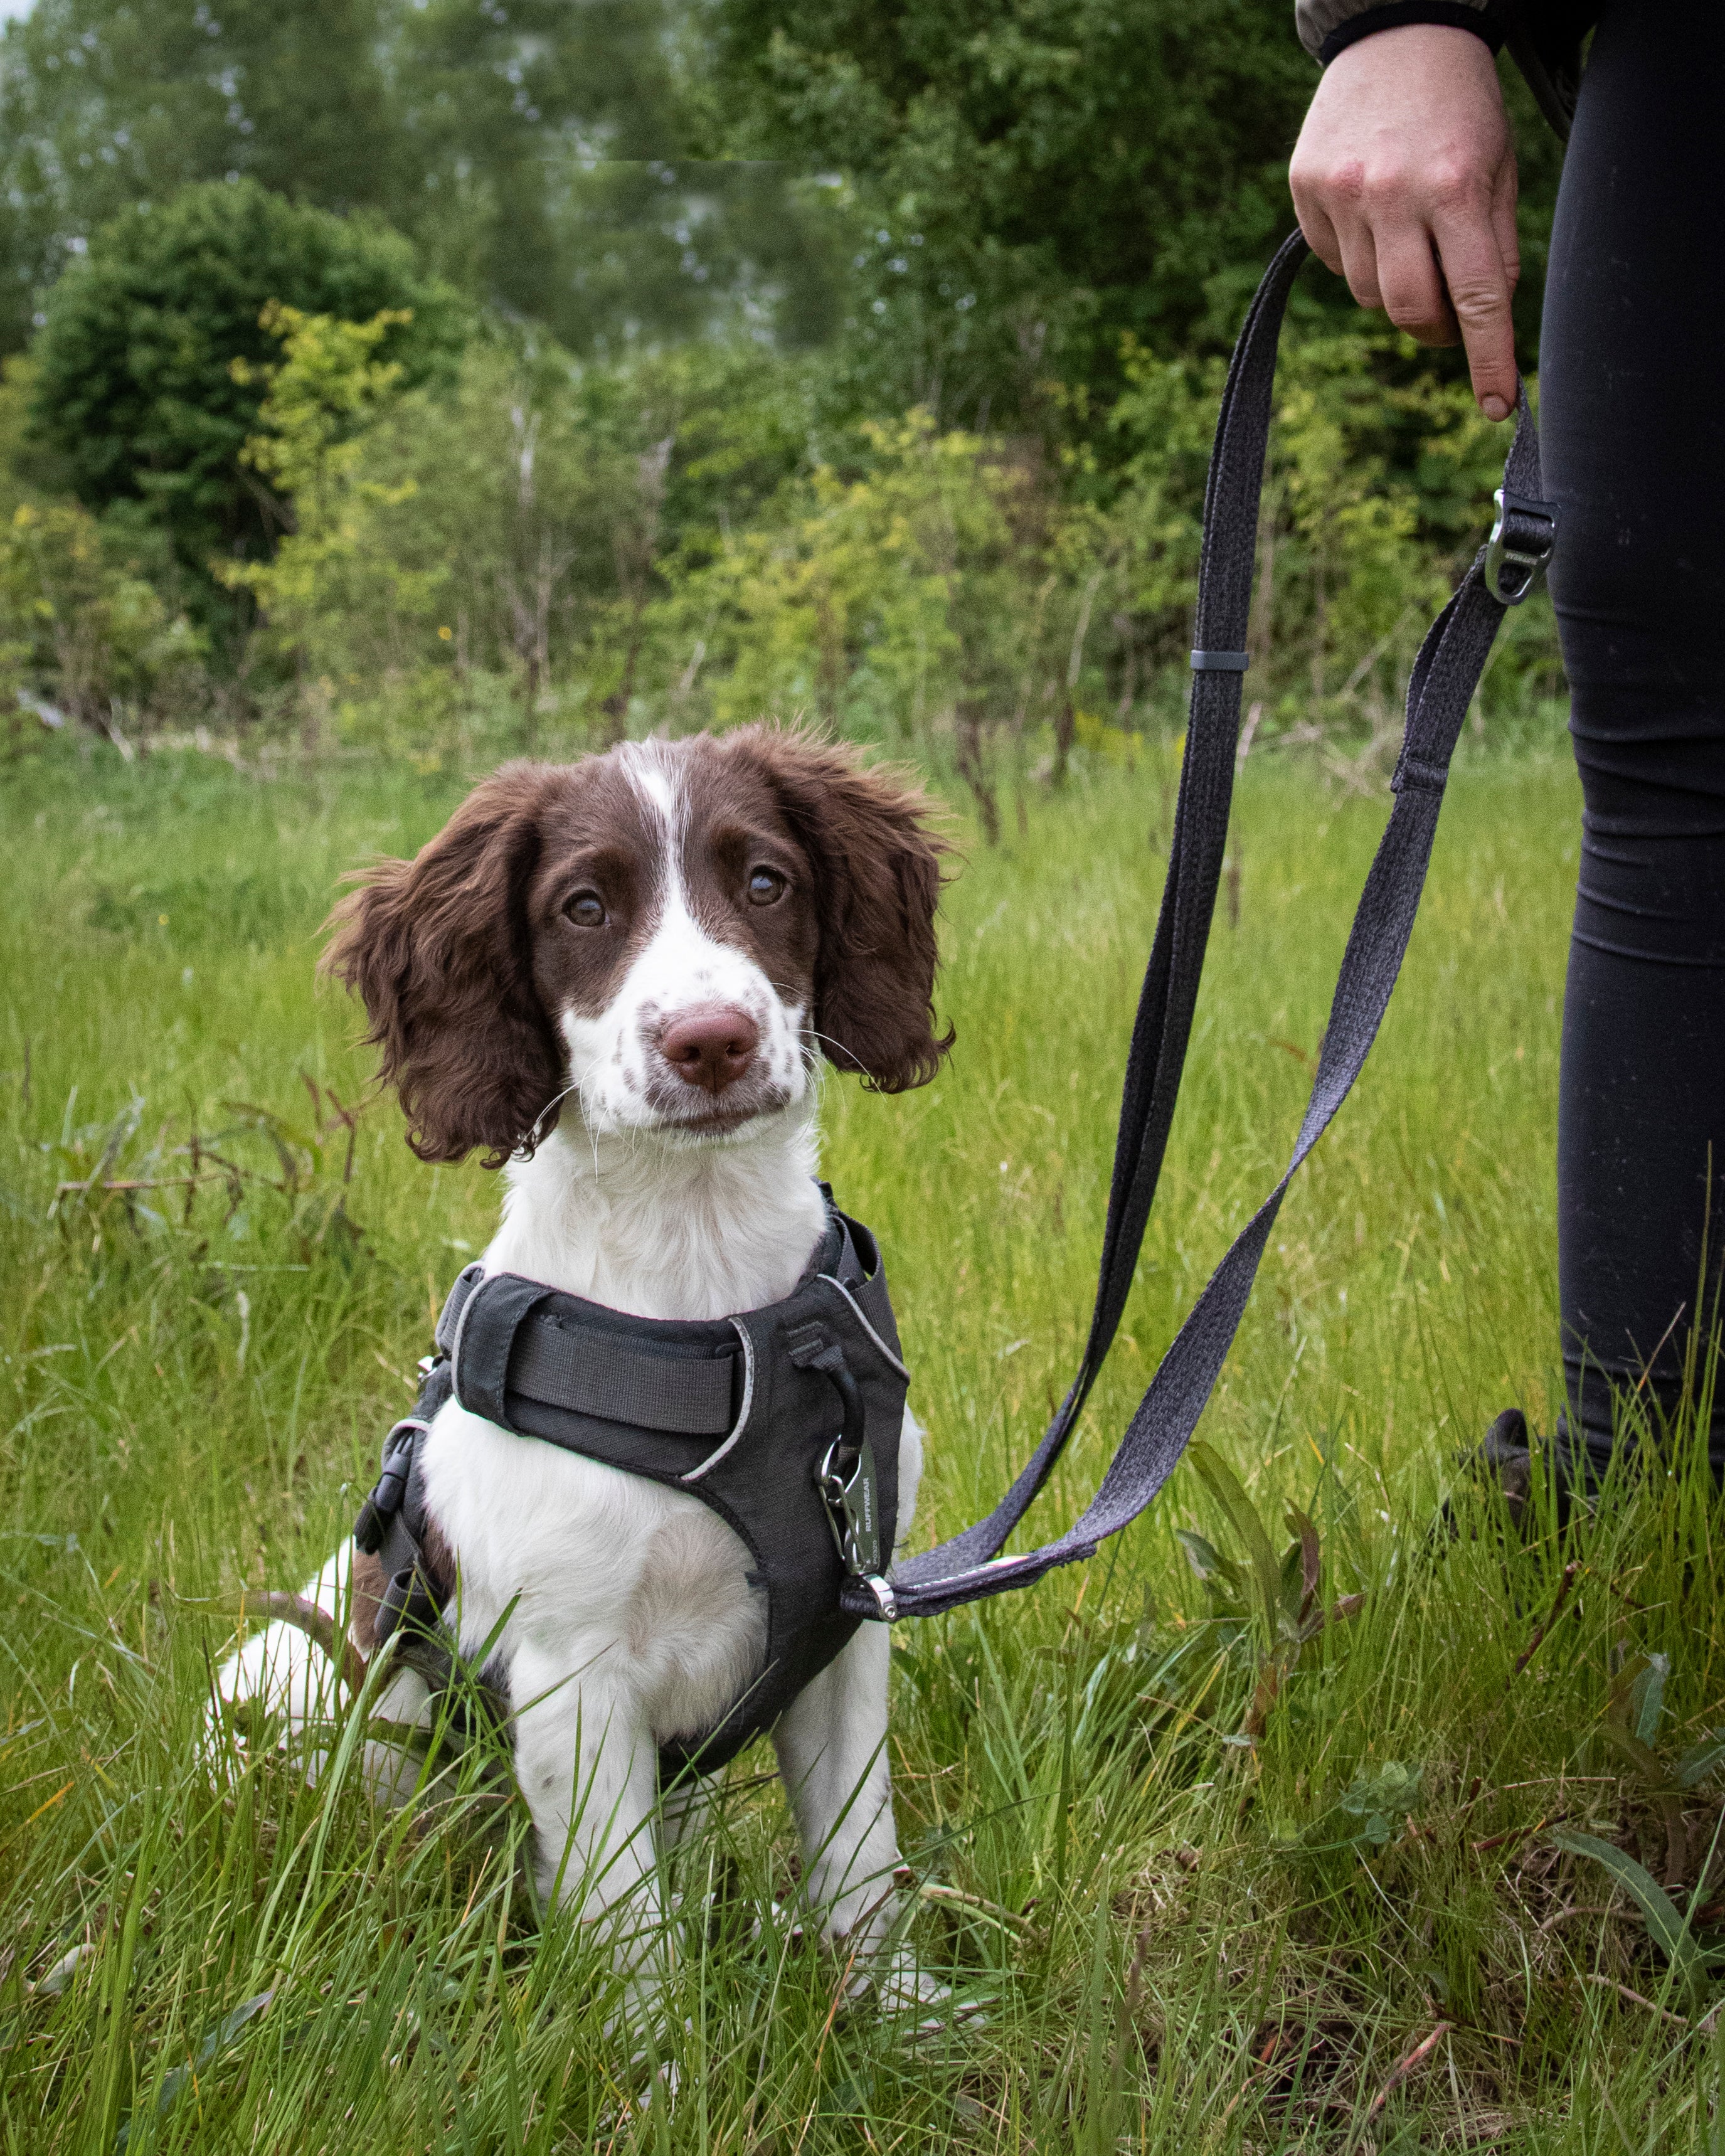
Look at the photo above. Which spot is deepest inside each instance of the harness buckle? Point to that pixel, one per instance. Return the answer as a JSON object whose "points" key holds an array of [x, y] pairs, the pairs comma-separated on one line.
{"points": [[371, 1528], [852, 1514], [1520, 541]]}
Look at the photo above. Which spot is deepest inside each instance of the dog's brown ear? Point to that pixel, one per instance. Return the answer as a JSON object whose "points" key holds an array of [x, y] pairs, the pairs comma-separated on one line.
{"points": [[876, 852], [437, 947]]}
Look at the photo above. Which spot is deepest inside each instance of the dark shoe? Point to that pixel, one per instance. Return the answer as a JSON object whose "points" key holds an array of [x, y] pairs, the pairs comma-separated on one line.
{"points": [[1512, 1458], [1505, 1456]]}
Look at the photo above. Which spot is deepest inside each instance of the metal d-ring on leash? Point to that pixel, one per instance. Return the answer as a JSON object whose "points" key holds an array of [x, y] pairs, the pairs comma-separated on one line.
{"points": [[1446, 675]]}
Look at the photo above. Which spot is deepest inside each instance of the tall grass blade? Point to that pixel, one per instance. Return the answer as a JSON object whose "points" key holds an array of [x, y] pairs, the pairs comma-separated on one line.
{"points": [[1669, 1930]]}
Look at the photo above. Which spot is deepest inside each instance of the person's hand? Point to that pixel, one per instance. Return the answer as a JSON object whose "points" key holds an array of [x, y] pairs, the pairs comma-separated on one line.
{"points": [[1404, 180]]}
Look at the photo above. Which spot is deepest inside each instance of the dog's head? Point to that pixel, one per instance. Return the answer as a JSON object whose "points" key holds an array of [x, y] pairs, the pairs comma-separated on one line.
{"points": [[670, 933]]}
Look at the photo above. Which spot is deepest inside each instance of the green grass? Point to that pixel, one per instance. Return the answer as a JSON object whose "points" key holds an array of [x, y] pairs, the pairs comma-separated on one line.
{"points": [[1182, 1940]]}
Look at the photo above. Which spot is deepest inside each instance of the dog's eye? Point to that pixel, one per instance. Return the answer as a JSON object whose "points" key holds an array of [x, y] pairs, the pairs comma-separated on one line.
{"points": [[587, 910], [765, 886]]}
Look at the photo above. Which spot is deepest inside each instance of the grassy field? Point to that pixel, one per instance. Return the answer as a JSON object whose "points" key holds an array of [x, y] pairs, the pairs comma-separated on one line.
{"points": [[1168, 1928]]}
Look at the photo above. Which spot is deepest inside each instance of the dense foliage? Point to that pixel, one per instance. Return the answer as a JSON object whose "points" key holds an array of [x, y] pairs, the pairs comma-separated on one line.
{"points": [[578, 372], [535, 554], [547, 157], [1041, 178], [146, 368], [1022, 179], [1049, 175]]}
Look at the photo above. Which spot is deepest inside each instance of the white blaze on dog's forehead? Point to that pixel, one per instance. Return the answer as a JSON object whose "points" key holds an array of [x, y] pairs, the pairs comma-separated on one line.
{"points": [[676, 932], [680, 963], [643, 764]]}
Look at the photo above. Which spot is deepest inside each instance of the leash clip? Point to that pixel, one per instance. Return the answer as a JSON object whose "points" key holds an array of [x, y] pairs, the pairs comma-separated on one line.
{"points": [[852, 1514], [1522, 538], [845, 1477]]}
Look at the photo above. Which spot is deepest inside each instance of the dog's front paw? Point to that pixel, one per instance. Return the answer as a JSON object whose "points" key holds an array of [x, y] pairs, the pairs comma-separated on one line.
{"points": [[904, 1987]]}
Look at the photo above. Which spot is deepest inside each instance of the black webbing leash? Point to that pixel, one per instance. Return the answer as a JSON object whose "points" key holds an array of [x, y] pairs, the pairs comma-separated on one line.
{"points": [[1446, 675]]}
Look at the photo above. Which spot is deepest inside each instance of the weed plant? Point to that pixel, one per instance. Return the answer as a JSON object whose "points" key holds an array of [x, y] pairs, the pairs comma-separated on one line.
{"points": [[1299, 1819]]}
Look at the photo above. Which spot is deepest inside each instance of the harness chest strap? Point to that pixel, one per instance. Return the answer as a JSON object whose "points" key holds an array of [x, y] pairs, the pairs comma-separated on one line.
{"points": [[784, 1420]]}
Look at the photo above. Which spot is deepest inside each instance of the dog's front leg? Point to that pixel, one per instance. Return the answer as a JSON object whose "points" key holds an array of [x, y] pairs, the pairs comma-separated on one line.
{"points": [[831, 1743], [587, 1766]]}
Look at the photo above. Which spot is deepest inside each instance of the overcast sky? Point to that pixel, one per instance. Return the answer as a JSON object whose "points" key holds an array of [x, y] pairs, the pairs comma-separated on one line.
{"points": [[13, 7]]}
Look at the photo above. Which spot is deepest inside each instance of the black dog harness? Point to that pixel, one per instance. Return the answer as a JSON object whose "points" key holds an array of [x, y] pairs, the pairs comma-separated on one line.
{"points": [[785, 1420]]}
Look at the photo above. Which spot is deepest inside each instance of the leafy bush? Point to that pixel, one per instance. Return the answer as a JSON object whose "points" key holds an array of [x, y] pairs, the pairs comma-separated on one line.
{"points": [[137, 382], [529, 551], [1378, 490], [931, 593], [486, 554], [950, 590], [78, 624], [474, 533]]}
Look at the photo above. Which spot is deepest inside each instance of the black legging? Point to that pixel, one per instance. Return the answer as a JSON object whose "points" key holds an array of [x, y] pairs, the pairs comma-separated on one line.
{"points": [[1633, 425]]}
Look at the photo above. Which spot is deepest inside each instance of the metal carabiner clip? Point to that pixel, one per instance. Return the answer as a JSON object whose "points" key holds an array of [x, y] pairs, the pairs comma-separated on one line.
{"points": [[852, 1514], [1518, 548]]}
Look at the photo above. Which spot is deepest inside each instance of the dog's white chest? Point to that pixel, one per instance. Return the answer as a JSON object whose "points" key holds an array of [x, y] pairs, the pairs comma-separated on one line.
{"points": [[609, 1573]]}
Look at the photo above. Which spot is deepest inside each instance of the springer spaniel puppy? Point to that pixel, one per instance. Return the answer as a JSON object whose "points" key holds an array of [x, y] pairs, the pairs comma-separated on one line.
{"points": [[617, 979]]}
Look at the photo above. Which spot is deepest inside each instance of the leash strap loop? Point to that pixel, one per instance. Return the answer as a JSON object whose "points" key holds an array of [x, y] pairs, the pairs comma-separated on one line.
{"points": [[1444, 676]]}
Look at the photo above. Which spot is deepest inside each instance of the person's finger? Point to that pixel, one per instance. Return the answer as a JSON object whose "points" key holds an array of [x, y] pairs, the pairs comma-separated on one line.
{"points": [[1413, 294], [1359, 260], [1503, 221], [1479, 284], [1321, 235]]}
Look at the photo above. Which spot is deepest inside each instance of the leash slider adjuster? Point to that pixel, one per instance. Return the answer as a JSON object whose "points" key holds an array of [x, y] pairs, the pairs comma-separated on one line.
{"points": [[1522, 539]]}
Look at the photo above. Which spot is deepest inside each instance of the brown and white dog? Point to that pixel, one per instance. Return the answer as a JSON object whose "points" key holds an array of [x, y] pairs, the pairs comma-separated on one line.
{"points": [[646, 955]]}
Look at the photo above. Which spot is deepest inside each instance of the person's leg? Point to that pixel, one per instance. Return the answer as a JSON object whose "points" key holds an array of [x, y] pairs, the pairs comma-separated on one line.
{"points": [[1633, 429]]}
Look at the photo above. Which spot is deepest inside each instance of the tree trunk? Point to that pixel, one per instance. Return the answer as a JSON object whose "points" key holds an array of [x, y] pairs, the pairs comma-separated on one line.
{"points": [[974, 770]]}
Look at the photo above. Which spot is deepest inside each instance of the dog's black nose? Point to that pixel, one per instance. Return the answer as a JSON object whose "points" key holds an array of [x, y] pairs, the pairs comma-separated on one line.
{"points": [[711, 1047]]}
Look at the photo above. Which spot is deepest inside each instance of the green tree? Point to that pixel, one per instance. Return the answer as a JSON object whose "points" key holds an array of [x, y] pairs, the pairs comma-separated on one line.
{"points": [[522, 114], [1035, 177], [468, 535], [494, 552], [1035, 180], [538, 153], [104, 104], [149, 366]]}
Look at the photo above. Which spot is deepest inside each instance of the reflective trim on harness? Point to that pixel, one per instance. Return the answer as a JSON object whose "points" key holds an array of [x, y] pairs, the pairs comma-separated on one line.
{"points": [[737, 1429], [472, 1276], [863, 1320]]}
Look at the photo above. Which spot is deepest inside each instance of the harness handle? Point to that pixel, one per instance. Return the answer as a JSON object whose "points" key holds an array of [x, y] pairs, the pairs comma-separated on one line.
{"points": [[1445, 674]]}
